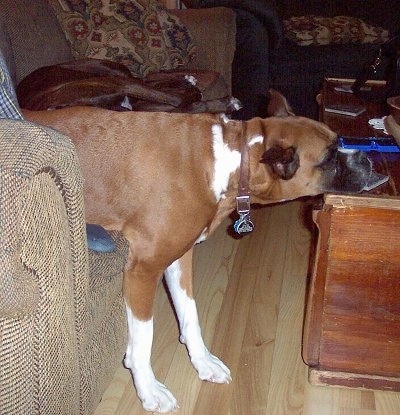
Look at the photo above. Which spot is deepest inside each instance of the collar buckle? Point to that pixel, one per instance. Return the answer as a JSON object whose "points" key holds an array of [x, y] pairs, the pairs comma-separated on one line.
{"points": [[243, 204]]}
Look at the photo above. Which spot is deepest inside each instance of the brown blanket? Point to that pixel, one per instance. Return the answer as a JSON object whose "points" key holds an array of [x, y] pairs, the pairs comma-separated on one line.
{"points": [[106, 84]]}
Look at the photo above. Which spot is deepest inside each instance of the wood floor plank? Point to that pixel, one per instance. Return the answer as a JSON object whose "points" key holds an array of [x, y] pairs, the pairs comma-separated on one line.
{"points": [[212, 266], [229, 332], [338, 401], [387, 403], [115, 393], [249, 393], [317, 400], [355, 399], [286, 394]]}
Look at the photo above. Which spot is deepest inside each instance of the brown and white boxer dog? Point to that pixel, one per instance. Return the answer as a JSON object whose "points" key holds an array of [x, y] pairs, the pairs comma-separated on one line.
{"points": [[168, 180]]}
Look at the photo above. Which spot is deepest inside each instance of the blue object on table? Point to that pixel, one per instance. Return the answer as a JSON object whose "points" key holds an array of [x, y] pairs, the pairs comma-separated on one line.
{"points": [[99, 239], [380, 144]]}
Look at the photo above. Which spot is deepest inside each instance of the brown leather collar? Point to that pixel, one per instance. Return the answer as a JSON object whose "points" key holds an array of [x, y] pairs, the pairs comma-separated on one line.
{"points": [[243, 197], [244, 223]]}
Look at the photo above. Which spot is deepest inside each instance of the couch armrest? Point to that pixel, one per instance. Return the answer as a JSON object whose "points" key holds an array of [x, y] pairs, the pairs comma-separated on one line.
{"points": [[214, 32], [44, 288], [53, 316], [41, 217]]}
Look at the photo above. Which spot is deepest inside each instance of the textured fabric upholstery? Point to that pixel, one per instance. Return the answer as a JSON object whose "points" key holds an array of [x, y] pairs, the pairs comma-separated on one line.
{"points": [[62, 333], [214, 32], [141, 34], [36, 37]]}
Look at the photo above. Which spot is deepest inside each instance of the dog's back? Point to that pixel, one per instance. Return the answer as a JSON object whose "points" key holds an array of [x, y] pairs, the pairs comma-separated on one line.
{"points": [[129, 161]]}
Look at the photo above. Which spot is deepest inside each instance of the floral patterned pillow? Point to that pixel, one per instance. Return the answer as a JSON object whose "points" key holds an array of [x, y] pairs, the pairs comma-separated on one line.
{"points": [[141, 34], [316, 30]]}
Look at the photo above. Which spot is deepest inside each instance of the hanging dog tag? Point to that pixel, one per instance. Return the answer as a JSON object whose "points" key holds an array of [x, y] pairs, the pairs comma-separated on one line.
{"points": [[244, 224]]}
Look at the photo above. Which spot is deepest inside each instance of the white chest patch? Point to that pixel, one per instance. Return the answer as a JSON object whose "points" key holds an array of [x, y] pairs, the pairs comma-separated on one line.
{"points": [[226, 161]]}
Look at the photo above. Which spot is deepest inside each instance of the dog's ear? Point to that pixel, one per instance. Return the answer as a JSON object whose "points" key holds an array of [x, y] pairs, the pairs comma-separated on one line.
{"points": [[284, 162], [278, 106]]}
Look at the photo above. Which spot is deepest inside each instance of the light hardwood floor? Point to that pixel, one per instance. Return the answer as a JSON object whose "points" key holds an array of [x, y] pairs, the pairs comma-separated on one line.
{"points": [[250, 295]]}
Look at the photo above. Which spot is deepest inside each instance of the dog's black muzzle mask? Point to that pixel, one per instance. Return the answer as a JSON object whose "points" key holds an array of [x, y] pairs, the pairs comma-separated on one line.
{"points": [[345, 171]]}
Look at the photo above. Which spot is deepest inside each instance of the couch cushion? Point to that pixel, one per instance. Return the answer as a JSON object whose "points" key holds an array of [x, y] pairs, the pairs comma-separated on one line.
{"points": [[36, 37], [384, 13], [318, 30], [141, 34]]}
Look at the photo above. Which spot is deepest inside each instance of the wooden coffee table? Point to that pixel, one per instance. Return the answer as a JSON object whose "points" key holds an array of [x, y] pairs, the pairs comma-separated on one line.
{"points": [[352, 325]]}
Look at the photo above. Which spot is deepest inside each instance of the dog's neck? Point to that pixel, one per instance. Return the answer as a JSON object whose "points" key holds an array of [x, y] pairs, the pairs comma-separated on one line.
{"points": [[238, 136], [235, 136], [253, 137]]}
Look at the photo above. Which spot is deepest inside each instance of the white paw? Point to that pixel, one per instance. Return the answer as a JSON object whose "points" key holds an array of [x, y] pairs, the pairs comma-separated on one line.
{"points": [[210, 368], [157, 398]]}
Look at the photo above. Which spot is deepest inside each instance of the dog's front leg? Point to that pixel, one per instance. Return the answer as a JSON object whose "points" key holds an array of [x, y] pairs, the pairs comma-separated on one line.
{"points": [[179, 280], [139, 292]]}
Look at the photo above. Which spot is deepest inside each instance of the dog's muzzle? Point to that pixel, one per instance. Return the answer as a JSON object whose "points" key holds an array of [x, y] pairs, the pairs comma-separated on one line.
{"points": [[345, 170]]}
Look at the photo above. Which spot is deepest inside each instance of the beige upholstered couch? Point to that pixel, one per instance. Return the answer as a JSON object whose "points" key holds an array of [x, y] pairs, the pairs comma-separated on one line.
{"points": [[62, 329], [62, 316]]}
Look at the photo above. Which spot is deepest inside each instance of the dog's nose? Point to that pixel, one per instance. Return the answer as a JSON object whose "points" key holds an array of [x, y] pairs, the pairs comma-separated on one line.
{"points": [[361, 158]]}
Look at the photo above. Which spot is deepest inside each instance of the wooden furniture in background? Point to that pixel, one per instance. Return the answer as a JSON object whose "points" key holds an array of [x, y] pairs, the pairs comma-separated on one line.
{"points": [[352, 327], [346, 125]]}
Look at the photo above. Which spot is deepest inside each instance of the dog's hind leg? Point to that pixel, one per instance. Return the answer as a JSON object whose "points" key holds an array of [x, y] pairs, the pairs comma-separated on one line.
{"points": [[179, 280], [139, 291]]}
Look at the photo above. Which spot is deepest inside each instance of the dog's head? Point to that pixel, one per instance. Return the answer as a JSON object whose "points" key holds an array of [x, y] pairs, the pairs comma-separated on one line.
{"points": [[300, 157]]}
